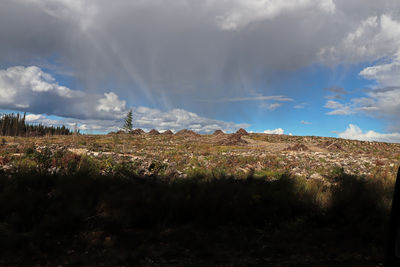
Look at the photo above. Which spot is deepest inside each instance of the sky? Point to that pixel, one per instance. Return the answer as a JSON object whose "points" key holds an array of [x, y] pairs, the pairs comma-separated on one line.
{"points": [[301, 67]]}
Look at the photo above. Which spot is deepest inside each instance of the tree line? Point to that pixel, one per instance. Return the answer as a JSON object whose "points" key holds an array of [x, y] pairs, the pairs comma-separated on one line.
{"points": [[15, 125]]}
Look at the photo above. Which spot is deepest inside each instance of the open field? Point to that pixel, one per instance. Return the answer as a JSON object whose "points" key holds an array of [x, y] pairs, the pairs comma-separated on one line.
{"points": [[182, 154], [194, 200]]}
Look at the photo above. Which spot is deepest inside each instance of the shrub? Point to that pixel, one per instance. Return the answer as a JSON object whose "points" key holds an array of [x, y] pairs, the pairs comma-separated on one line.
{"points": [[88, 166], [29, 151], [69, 163], [125, 168]]}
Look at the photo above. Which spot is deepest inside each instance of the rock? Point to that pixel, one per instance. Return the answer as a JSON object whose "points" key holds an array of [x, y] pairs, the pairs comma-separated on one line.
{"points": [[78, 151], [316, 176]]}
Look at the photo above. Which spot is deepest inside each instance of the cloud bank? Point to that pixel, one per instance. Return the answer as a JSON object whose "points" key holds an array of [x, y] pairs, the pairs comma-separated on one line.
{"points": [[171, 55], [30, 89], [275, 131], [172, 52], [355, 132]]}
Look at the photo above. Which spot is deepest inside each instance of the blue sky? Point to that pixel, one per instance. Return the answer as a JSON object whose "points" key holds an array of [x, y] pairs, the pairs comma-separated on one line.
{"points": [[313, 67]]}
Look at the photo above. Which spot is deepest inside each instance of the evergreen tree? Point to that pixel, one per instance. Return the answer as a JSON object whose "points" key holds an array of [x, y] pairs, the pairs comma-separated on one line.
{"points": [[15, 125], [128, 122]]}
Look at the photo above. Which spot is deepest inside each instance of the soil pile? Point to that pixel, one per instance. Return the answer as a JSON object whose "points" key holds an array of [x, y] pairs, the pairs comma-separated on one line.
{"points": [[137, 132], [218, 132], [298, 147], [168, 132], [232, 140], [154, 132], [186, 132], [332, 146], [241, 132]]}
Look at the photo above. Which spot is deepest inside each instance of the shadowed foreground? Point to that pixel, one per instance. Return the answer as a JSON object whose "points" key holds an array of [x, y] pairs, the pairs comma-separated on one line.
{"points": [[201, 220]]}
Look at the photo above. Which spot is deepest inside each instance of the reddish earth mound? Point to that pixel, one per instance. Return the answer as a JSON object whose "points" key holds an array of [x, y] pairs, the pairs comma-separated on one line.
{"points": [[187, 133], [298, 147], [331, 146], [137, 132], [242, 131], [232, 140], [154, 132], [168, 132], [218, 132]]}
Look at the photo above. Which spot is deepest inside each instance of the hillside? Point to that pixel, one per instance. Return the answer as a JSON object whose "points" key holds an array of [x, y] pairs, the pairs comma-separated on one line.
{"points": [[233, 154], [163, 199]]}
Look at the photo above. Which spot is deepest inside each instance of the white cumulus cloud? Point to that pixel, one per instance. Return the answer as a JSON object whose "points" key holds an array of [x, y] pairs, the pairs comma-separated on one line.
{"points": [[355, 132], [385, 74], [111, 102], [376, 37], [275, 131], [32, 90]]}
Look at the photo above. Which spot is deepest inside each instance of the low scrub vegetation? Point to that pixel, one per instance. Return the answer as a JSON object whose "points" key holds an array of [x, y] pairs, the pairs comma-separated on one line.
{"points": [[80, 217]]}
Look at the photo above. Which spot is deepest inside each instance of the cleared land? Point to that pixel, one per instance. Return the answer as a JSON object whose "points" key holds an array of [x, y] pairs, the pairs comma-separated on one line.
{"points": [[179, 155], [150, 199]]}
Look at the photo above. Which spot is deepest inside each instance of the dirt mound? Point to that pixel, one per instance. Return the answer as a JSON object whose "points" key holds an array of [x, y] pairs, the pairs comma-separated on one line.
{"points": [[232, 140], [218, 132], [154, 132], [168, 132], [187, 132], [242, 131], [297, 147], [137, 132], [331, 146]]}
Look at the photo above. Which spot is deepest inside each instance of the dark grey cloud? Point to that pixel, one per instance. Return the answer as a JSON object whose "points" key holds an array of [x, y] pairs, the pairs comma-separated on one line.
{"points": [[172, 53]]}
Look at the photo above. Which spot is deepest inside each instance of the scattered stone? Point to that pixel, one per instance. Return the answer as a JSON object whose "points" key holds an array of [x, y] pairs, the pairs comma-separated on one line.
{"points": [[316, 176], [78, 151]]}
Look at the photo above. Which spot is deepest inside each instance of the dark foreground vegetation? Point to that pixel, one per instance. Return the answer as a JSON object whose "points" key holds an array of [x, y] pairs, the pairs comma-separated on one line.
{"points": [[207, 219], [15, 125]]}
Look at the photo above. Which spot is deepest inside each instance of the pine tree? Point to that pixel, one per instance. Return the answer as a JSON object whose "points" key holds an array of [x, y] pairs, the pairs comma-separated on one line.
{"points": [[128, 122], [15, 125]]}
